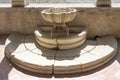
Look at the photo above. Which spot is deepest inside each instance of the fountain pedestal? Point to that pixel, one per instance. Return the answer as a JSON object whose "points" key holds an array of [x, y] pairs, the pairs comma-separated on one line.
{"points": [[59, 31], [64, 39]]}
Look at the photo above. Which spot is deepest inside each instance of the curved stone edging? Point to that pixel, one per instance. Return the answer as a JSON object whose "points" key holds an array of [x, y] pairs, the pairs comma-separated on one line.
{"points": [[72, 41], [44, 39], [70, 46], [49, 46]]}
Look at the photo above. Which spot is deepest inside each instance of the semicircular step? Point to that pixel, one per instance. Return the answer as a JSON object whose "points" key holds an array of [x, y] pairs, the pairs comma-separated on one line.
{"points": [[28, 56]]}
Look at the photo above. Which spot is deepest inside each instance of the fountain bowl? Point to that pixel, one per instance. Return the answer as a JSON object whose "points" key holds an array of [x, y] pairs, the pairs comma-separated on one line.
{"points": [[59, 15]]}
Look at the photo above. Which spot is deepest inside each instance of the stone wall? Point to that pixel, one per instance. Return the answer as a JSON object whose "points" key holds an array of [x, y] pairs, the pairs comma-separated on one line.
{"points": [[99, 21]]}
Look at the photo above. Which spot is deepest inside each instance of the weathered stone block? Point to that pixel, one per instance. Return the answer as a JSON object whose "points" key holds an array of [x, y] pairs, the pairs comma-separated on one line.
{"points": [[19, 3], [102, 3]]}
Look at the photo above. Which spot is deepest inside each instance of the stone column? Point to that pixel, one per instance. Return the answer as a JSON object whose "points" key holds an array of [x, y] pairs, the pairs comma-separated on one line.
{"points": [[103, 3], [19, 3]]}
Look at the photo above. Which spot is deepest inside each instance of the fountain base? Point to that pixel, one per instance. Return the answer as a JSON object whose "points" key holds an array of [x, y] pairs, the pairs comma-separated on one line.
{"points": [[57, 33], [64, 42], [24, 52]]}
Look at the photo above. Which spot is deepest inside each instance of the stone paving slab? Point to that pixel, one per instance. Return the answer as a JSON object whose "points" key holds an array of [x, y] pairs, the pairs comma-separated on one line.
{"points": [[76, 52], [16, 47], [66, 65], [42, 60], [16, 37], [35, 48], [24, 53]]}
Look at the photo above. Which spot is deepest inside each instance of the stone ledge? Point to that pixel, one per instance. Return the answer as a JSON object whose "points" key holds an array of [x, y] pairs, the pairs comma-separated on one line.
{"points": [[46, 5], [6, 5]]}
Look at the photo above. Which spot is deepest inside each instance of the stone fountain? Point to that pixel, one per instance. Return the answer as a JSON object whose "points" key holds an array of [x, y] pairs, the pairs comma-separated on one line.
{"points": [[60, 37], [59, 50]]}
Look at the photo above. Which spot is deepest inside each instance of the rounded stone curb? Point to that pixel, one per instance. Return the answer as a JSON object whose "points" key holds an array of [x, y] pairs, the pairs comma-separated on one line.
{"points": [[70, 46], [28, 66], [44, 38], [89, 60], [49, 46], [72, 41]]}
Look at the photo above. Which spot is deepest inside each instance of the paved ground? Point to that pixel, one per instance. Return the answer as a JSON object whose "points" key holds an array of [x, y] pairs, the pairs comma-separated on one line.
{"points": [[110, 71]]}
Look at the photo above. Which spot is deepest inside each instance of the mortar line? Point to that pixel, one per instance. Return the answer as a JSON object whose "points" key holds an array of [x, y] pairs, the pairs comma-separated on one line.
{"points": [[54, 62], [53, 66]]}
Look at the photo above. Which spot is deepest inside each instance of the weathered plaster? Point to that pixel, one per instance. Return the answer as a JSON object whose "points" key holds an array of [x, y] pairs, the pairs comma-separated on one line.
{"points": [[99, 21]]}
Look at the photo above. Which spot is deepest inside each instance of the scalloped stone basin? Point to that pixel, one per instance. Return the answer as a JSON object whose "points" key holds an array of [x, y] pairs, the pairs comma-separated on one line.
{"points": [[59, 15]]}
